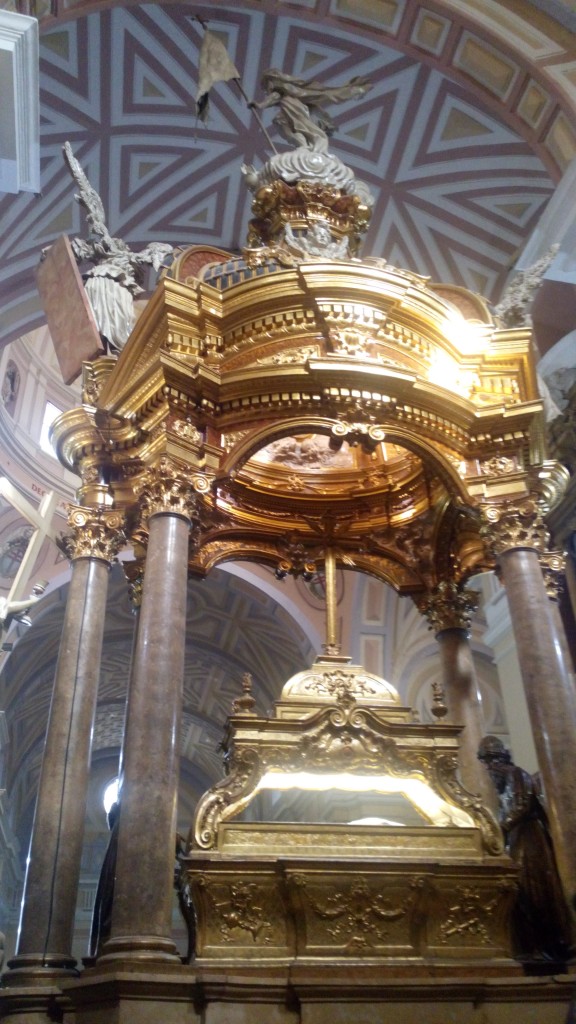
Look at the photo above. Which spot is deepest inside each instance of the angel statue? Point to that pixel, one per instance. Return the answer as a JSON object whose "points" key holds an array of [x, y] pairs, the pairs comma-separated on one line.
{"points": [[115, 277], [301, 116]]}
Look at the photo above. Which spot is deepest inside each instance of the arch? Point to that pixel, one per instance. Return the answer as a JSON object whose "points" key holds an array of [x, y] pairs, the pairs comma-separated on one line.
{"points": [[257, 439]]}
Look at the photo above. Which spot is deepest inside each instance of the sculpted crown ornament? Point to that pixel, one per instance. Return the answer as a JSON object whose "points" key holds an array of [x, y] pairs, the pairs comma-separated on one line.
{"points": [[307, 203], [448, 607], [97, 533]]}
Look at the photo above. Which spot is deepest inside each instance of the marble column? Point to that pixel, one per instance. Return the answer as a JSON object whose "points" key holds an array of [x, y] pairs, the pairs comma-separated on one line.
{"points": [[518, 537], [44, 947], [554, 565], [449, 611], [143, 889]]}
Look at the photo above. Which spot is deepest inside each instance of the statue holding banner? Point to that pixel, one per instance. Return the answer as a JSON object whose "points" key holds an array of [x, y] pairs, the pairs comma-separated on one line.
{"points": [[301, 117], [114, 279]]}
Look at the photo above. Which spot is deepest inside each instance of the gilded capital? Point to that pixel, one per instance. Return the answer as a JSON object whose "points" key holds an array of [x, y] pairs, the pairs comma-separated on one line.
{"points": [[553, 565], [448, 607], [134, 573], [96, 533], [169, 489], [510, 525]]}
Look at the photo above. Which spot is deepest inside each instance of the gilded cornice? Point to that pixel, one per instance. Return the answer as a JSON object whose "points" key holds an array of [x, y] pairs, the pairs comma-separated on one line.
{"points": [[320, 302]]}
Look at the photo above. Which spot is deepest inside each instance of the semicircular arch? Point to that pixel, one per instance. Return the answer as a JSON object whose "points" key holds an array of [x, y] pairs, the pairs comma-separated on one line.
{"points": [[419, 445]]}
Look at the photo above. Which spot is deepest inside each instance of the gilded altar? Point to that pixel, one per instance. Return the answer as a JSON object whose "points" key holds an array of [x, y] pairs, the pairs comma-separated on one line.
{"points": [[437, 893]]}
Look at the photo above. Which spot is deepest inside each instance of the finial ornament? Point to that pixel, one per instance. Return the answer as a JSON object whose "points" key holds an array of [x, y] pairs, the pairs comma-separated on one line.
{"points": [[245, 704], [308, 205], [439, 707]]}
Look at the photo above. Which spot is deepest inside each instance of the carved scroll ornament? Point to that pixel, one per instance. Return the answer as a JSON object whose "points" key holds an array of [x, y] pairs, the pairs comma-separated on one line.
{"points": [[341, 738], [96, 533], [169, 489], [553, 565], [509, 526]]}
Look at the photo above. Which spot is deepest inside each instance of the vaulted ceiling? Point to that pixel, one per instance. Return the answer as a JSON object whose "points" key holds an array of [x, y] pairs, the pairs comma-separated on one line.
{"points": [[462, 138]]}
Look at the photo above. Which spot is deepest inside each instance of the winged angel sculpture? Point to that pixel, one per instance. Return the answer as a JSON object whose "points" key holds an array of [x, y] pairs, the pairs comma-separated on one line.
{"points": [[302, 118], [114, 280]]}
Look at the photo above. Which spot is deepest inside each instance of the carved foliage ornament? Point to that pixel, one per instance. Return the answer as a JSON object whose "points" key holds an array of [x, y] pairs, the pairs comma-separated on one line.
{"points": [[553, 565], [446, 782], [470, 915], [169, 489], [96, 533], [240, 907], [449, 607], [359, 915], [508, 526]]}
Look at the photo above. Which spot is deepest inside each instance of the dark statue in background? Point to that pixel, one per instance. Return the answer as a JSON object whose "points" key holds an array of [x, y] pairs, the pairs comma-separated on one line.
{"points": [[541, 921], [102, 913]]}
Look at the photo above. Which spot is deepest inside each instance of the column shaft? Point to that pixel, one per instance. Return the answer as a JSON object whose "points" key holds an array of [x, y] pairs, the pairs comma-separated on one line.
{"points": [[465, 708], [551, 699], [143, 896], [50, 891]]}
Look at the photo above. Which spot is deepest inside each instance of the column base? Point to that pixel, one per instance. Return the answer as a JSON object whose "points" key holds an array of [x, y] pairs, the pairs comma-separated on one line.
{"points": [[29, 969], [22, 1003], [141, 948]]}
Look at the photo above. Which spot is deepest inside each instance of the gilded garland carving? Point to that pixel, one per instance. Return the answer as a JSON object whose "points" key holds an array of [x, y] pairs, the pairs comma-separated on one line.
{"points": [[169, 489], [277, 909], [357, 916], [448, 607], [97, 533], [498, 465], [339, 686], [508, 526]]}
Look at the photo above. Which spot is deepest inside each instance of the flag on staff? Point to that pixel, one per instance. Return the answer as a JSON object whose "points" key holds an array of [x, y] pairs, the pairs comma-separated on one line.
{"points": [[214, 66]]}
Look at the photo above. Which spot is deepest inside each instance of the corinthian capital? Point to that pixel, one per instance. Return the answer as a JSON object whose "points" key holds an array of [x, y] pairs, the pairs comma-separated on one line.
{"points": [[510, 525], [96, 533], [448, 607], [553, 565], [169, 488]]}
